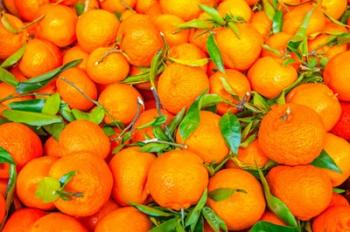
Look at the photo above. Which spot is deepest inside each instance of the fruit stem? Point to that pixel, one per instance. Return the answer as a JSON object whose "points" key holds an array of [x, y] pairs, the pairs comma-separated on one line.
{"points": [[286, 115]]}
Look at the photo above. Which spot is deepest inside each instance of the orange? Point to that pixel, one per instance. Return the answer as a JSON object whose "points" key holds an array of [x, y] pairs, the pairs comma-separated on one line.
{"points": [[279, 42], [91, 221], [321, 99], [10, 42], [238, 83], [117, 6], [334, 219], [2, 207], [272, 218], [334, 8], [187, 52], [306, 190], [337, 74], [242, 209], [105, 67], [96, 28], [252, 156], [58, 24], [207, 141], [177, 179], [92, 179], [124, 219], [40, 56], [75, 53], [238, 8], [180, 85], [269, 76], [294, 18], [57, 222], [199, 38], [239, 52], [29, 177], [10, 6], [22, 219], [168, 24], [3, 183], [291, 134], [121, 101], [77, 79], [338, 200], [130, 168], [84, 136], [339, 150], [342, 128], [147, 116], [139, 39], [28, 9], [21, 142], [261, 23], [66, 2], [142, 6], [51, 147], [7, 90]]}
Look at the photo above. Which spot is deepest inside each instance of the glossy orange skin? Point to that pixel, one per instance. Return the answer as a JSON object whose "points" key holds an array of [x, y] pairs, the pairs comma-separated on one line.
{"points": [[28, 10], [51, 147], [238, 8], [22, 219], [188, 52], [272, 218], [2, 207], [76, 53], [57, 222], [334, 219], [342, 128]]}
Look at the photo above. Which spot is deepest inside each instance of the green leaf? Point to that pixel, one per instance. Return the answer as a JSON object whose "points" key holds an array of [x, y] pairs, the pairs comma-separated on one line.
{"points": [[277, 22], [5, 157], [263, 226], [55, 129], [158, 121], [200, 225], [195, 213], [150, 211], [109, 131], [301, 33], [231, 130], [7, 77], [191, 63], [281, 99], [215, 222], [40, 81], [325, 161], [167, 226], [47, 189], [208, 100], [14, 58], [214, 53], [269, 9], [66, 112], [276, 205], [52, 105], [195, 23], [156, 60], [96, 115], [33, 105], [31, 118], [221, 194], [339, 190], [191, 120], [79, 8], [213, 13], [66, 178], [155, 147], [260, 101]]}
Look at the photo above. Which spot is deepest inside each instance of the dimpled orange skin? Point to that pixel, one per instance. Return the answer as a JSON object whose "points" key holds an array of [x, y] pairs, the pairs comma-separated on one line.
{"points": [[269, 77], [291, 138], [76, 53], [117, 5], [22, 219], [28, 9], [261, 23], [337, 74], [40, 56], [242, 209], [29, 177], [70, 94], [238, 83], [239, 53], [21, 142], [108, 69], [51, 147], [206, 141], [93, 179], [252, 155], [339, 150], [272, 218], [58, 24], [238, 8], [338, 200], [140, 39], [177, 179], [124, 219], [180, 85], [57, 222], [188, 52], [121, 102], [10, 42], [130, 168], [294, 18], [321, 99], [146, 117], [96, 28], [334, 8], [184, 9], [168, 24], [306, 190], [334, 219], [84, 136]]}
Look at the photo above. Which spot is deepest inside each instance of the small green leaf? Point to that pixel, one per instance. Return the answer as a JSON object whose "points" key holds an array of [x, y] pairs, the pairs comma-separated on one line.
{"points": [[158, 121], [66, 178], [208, 100], [156, 61], [66, 112], [52, 105], [260, 101], [42, 80], [215, 222], [14, 58], [338, 190], [47, 189], [191, 63], [325, 161], [231, 130], [33, 105], [155, 147], [221, 194], [269, 9], [214, 53], [195, 23], [109, 131], [55, 129], [150, 211], [96, 115], [79, 8], [7, 77], [167, 226], [263, 226], [191, 120], [31, 118], [281, 99], [277, 22], [213, 13], [195, 213]]}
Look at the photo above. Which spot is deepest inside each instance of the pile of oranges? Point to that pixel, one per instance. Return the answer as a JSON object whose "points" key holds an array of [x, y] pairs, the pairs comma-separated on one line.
{"points": [[174, 115]]}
